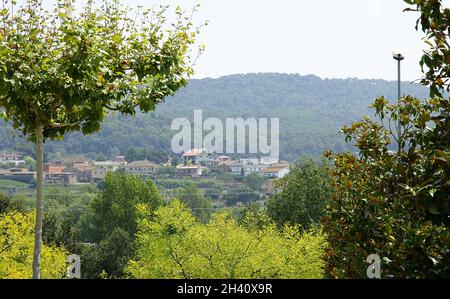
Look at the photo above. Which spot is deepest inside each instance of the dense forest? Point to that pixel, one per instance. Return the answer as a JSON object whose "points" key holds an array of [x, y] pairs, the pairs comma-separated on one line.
{"points": [[311, 111]]}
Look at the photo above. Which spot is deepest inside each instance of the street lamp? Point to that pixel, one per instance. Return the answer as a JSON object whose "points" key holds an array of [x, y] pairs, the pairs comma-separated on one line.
{"points": [[399, 57]]}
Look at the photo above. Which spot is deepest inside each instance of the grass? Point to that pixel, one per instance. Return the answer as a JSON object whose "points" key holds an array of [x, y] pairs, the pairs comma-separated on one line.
{"points": [[10, 183]]}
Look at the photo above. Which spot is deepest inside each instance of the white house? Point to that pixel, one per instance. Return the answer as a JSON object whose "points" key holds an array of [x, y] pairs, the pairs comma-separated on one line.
{"points": [[101, 168], [141, 167], [247, 166], [98, 174], [277, 171], [107, 165], [11, 158], [190, 170]]}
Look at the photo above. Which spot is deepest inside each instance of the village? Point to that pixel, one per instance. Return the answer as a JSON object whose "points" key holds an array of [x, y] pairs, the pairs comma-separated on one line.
{"points": [[196, 163]]}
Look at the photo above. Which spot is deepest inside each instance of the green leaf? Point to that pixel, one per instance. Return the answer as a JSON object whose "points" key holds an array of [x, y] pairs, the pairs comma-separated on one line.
{"points": [[444, 155], [432, 192], [433, 210], [117, 38]]}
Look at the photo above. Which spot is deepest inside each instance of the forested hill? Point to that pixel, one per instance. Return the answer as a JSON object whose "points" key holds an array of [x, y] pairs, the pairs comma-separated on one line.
{"points": [[311, 111]]}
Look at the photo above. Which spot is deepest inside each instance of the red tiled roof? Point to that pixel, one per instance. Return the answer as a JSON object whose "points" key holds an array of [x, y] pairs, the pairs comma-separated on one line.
{"points": [[193, 152]]}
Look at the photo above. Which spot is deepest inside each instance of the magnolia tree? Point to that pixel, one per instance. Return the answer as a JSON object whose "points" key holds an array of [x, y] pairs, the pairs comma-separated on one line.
{"points": [[397, 204], [63, 68]]}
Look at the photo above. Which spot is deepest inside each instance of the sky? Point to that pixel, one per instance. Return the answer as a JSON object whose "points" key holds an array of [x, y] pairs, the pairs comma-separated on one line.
{"points": [[327, 38]]}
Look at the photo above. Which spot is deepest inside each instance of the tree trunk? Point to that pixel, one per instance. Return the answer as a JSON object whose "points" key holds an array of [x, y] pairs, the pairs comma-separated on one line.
{"points": [[39, 201]]}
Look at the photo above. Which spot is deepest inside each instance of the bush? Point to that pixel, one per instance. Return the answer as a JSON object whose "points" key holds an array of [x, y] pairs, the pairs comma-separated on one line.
{"points": [[108, 258], [8, 204]]}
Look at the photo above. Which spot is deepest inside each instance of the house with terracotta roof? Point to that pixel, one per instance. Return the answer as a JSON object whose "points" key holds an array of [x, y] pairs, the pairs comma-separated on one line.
{"points": [[196, 161], [53, 168], [277, 171], [83, 173], [194, 156], [75, 161]]}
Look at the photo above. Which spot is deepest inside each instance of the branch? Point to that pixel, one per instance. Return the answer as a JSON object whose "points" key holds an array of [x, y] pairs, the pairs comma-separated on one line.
{"points": [[390, 129], [8, 246], [118, 108], [61, 126], [111, 108], [179, 264]]}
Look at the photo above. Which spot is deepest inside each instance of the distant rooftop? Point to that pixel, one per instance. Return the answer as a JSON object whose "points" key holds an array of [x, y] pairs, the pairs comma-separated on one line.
{"points": [[74, 160], [105, 163], [193, 152], [181, 167], [9, 154], [275, 168], [144, 163]]}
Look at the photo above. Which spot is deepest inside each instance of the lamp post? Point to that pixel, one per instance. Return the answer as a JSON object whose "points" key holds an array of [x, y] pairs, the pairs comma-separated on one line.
{"points": [[399, 57]]}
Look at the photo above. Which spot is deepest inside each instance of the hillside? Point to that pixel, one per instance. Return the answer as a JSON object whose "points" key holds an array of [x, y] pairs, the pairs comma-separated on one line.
{"points": [[311, 112]]}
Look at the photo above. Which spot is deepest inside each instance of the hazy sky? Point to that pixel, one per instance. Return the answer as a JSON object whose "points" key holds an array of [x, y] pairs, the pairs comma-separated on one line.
{"points": [[328, 38]]}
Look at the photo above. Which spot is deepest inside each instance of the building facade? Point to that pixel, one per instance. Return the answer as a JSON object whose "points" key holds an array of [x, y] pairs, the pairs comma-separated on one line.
{"points": [[276, 171], [11, 158], [141, 168]]}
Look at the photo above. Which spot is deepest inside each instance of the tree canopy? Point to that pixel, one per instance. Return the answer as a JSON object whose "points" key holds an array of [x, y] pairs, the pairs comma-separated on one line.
{"points": [[16, 249], [174, 244], [301, 196], [65, 69], [397, 204], [115, 206], [194, 198]]}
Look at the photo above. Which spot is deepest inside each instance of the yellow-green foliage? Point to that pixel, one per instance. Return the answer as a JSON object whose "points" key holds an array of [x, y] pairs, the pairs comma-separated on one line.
{"points": [[173, 244], [16, 250]]}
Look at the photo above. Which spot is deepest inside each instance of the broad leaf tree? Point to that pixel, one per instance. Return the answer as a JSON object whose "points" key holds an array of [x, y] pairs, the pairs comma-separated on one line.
{"points": [[302, 195], [254, 181], [397, 205], [115, 206], [194, 198], [16, 246], [64, 68], [172, 243]]}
